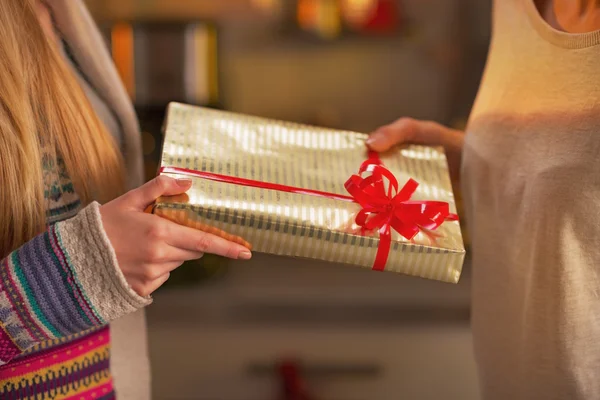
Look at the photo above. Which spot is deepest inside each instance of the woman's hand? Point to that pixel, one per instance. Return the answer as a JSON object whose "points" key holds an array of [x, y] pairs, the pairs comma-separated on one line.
{"points": [[428, 133], [148, 247]]}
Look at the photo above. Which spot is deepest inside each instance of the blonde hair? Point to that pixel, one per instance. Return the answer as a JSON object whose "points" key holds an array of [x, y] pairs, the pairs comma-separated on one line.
{"points": [[41, 103]]}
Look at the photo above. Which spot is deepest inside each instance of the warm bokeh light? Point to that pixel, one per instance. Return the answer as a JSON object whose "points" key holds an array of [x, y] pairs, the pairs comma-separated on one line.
{"points": [[267, 5], [308, 13], [122, 51], [357, 12], [320, 16]]}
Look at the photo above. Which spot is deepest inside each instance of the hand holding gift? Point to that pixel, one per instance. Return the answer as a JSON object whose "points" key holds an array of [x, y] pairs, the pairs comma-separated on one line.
{"points": [[151, 247], [427, 133]]}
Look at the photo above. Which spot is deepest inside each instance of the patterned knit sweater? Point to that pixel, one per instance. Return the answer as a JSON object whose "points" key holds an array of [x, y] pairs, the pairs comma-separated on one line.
{"points": [[57, 294]]}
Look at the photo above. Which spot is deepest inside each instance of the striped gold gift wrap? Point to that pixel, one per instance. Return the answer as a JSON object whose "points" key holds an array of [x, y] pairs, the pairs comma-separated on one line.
{"points": [[247, 148]]}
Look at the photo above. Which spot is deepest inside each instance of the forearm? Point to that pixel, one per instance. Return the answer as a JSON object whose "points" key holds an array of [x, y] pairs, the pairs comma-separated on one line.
{"points": [[453, 144], [62, 282]]}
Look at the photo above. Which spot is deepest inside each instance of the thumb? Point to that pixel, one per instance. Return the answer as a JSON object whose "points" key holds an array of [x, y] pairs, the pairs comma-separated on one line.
{"points": [[402, 131], [162, 185]]}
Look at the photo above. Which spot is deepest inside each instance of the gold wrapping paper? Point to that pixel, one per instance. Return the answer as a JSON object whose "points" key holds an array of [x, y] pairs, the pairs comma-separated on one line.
{"points": [[300, 225]]}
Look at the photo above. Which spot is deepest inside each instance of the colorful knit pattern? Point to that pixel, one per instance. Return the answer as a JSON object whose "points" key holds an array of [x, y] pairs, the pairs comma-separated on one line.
{"points": [[36, 310], [53, 343], [78, 369], [62, 201]]}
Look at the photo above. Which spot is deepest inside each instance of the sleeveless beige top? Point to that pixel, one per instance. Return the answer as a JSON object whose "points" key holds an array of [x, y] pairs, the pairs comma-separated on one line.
{"points": [[531, 177]]}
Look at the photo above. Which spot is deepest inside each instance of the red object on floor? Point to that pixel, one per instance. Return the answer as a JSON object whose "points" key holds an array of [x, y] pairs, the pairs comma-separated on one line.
{"points": [[293, 386]]}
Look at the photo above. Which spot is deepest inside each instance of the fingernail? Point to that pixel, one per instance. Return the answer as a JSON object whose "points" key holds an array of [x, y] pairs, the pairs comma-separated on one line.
{"points": [[245, 255], [374, 138], [184, 182]]}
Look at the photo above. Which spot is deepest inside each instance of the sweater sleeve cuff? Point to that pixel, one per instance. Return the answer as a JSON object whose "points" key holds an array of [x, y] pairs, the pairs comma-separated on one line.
{"points": [[95, 265]]}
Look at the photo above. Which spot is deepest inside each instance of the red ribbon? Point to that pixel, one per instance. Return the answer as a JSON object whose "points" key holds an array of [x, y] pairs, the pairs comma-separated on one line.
{"points": [[386, 209], [382, 209]]}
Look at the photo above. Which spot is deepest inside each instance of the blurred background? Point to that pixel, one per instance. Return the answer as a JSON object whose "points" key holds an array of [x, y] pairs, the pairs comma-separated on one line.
{"points": [[286, 329]]}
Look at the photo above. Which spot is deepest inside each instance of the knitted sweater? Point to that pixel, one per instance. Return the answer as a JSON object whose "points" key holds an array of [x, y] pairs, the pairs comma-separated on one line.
{"points": [[57, 294], [59, 291]]}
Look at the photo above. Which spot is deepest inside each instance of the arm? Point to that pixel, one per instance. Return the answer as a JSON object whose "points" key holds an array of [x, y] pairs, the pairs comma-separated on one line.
{"points": [[428, 133], [62, 282], [96, 267]]}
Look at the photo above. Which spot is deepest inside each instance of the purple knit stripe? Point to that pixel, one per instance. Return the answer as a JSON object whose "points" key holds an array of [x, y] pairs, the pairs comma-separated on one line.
{"points": [[17, 303], [49, 285], [84, 304]]}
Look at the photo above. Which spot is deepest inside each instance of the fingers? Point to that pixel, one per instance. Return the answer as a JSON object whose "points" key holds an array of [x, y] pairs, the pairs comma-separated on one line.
{"points": [[174, 255], [160, 281], [146, 288], [152, 276], [408, 130], [162, 185], [192, 240], [404, 130], [181, 217]]}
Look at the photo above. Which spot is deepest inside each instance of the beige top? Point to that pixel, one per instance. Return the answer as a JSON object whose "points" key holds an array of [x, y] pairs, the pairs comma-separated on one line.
{"points": [[531, 178]]}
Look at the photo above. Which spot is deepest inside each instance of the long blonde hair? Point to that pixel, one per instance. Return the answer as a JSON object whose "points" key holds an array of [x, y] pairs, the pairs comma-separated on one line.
{"points": [[41, 103]]}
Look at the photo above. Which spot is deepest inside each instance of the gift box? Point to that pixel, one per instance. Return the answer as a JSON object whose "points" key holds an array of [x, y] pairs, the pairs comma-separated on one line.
{"points": [[301, 191]]}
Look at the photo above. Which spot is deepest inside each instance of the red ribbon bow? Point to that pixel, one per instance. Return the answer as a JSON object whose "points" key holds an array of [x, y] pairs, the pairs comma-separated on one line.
{"points": [[389, 209]]}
